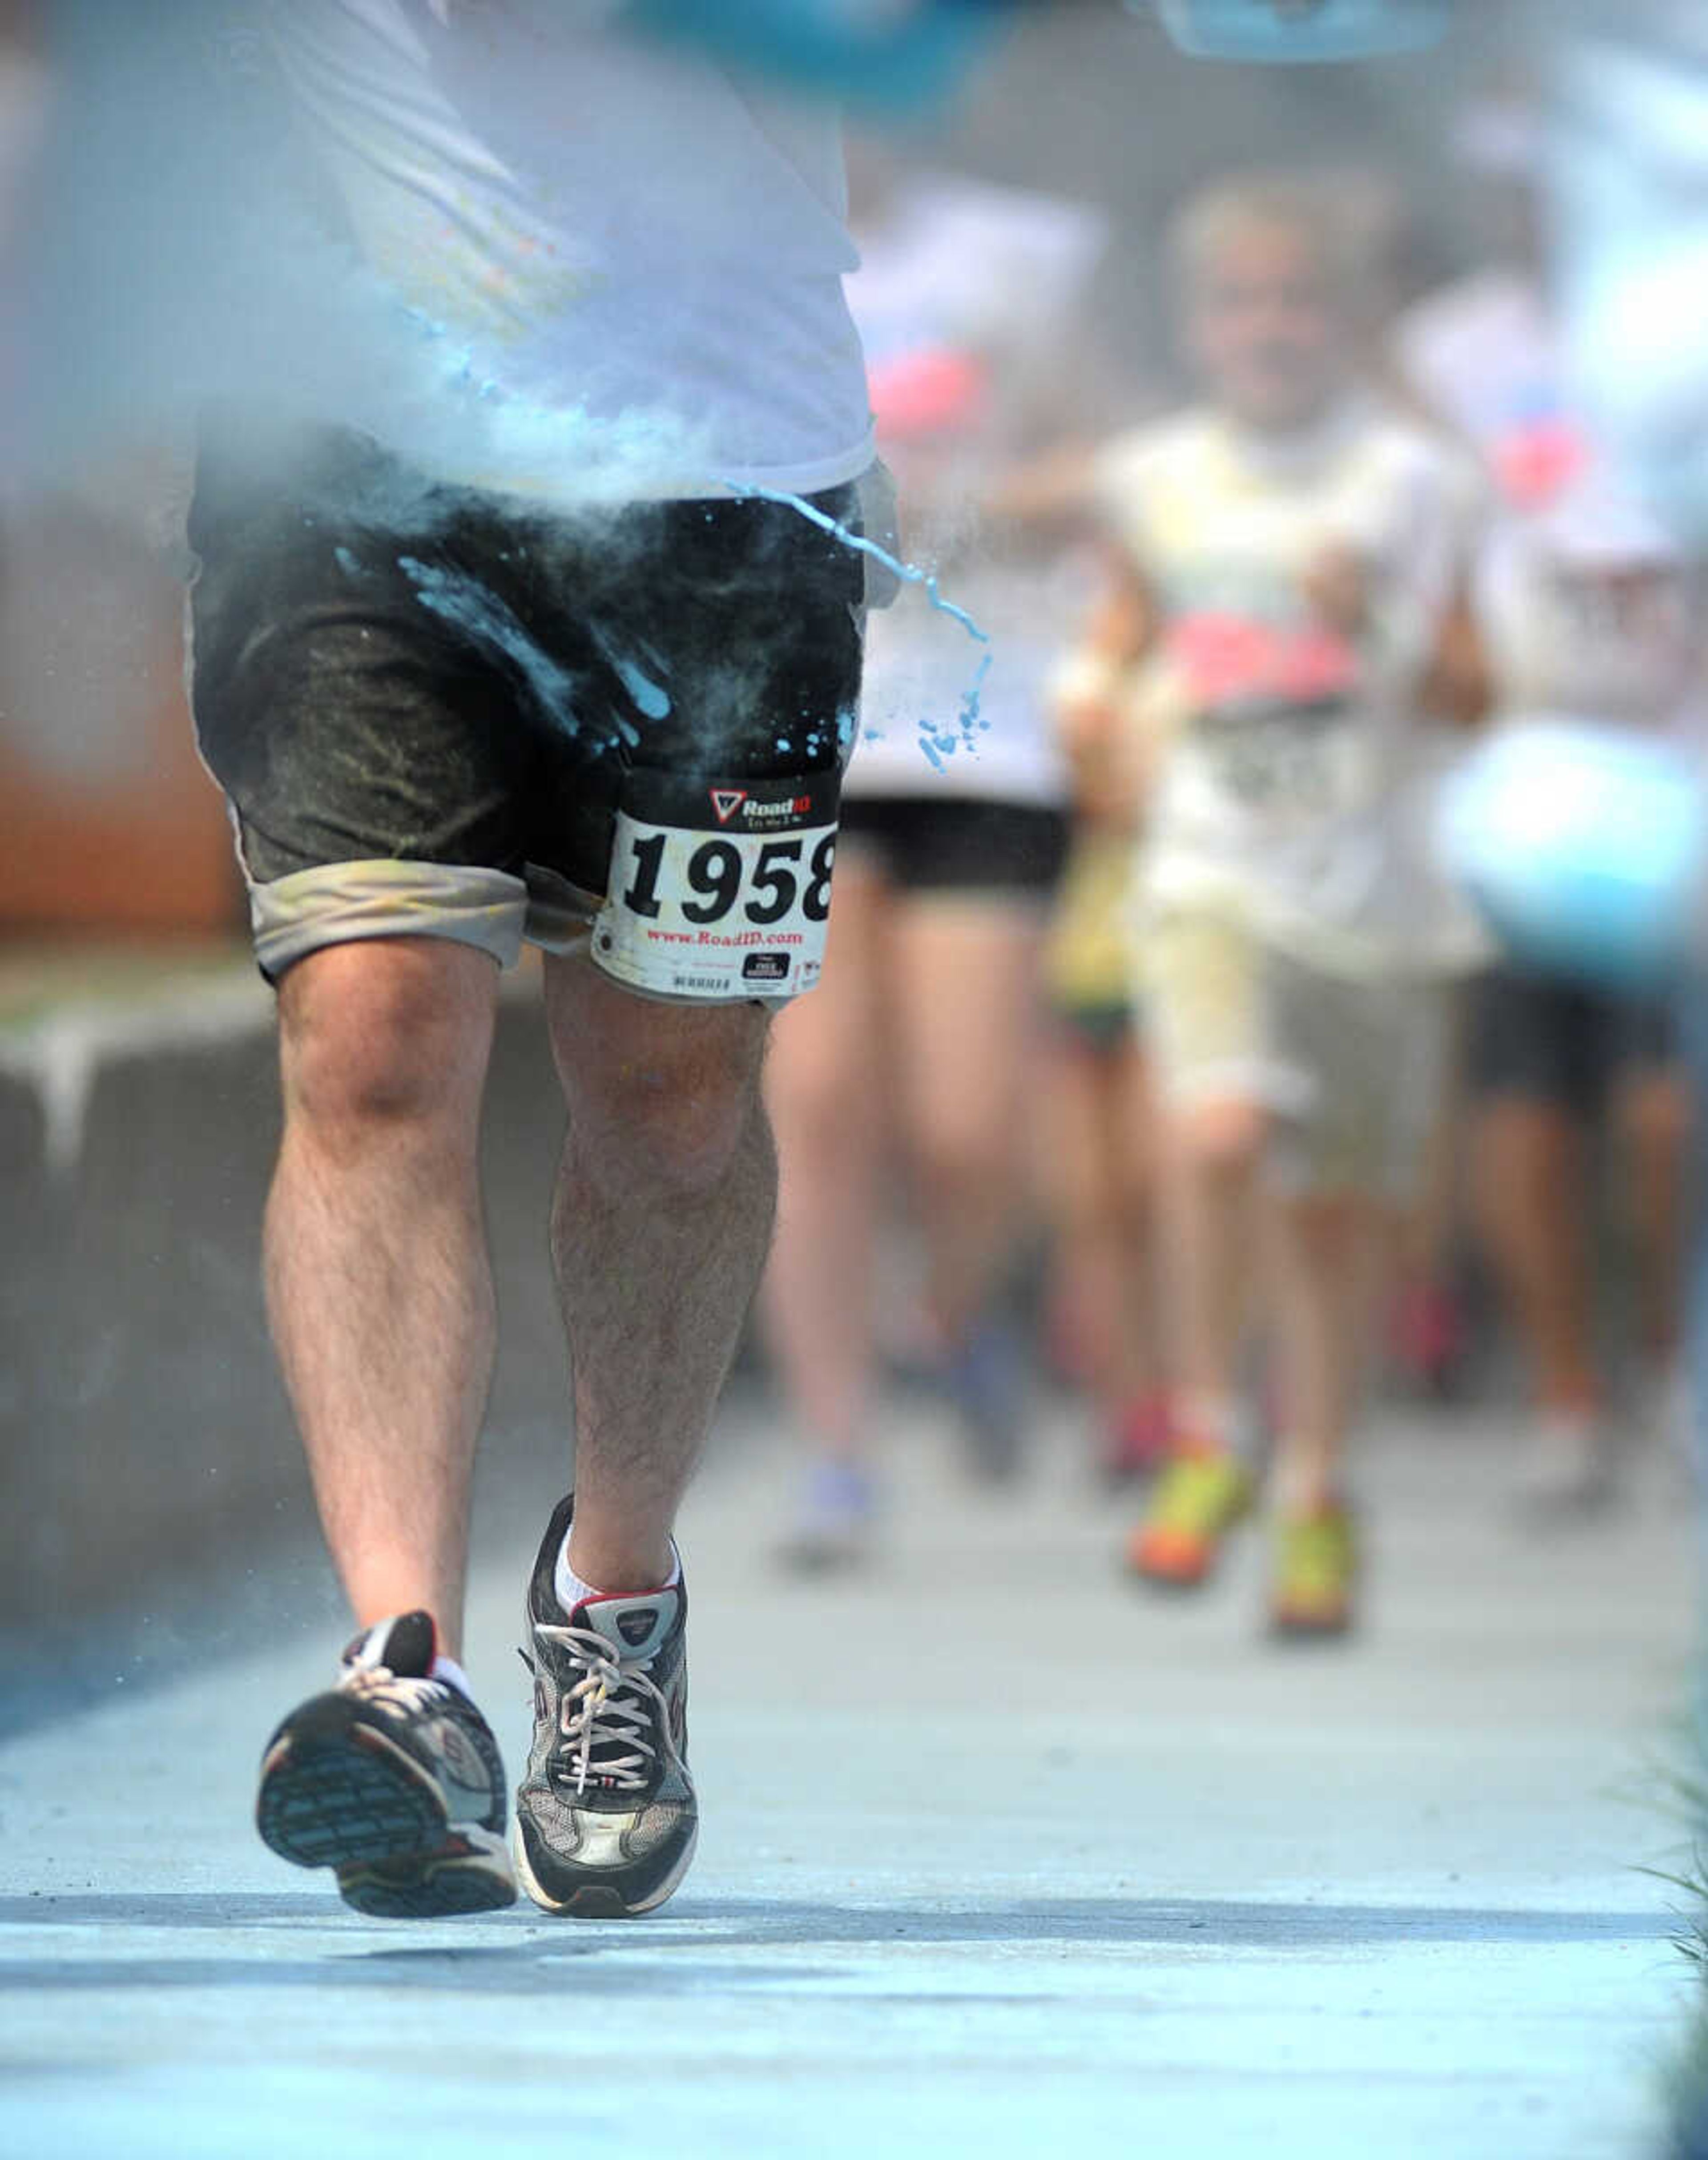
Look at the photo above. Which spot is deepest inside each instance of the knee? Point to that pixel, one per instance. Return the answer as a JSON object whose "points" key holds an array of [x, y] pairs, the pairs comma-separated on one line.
{"points": [[961, 1162], [672, 1115], [1658, 1118], [1222, 1140], [386, 1035]]}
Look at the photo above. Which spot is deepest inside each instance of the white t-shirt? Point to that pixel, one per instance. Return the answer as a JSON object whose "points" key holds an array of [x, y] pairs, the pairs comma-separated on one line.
{"points": [[965, 294], [619, 268], [1294, 790], [1581, 592], [1588, 612]]}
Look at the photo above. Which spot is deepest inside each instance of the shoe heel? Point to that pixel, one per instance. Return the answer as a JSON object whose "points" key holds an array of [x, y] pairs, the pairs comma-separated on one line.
{"points": [[330, 1804]]}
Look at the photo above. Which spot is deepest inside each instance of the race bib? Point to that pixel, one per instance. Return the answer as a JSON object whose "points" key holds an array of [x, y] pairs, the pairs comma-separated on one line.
{"points": [[1293, 762], [720, 891]]}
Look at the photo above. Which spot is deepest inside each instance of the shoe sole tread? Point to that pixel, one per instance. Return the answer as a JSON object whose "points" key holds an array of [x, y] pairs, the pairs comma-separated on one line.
{"points": [[362, 1807]]}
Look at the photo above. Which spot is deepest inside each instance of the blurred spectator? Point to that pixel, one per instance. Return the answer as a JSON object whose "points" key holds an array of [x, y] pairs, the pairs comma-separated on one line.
{"points": [[1290, 563], [920, 1043]]}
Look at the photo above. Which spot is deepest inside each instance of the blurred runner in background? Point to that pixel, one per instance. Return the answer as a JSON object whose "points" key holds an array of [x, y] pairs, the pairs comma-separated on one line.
{"points": [[1102, 1323], [918, 1050], [1587, 605], [1292, 560]]}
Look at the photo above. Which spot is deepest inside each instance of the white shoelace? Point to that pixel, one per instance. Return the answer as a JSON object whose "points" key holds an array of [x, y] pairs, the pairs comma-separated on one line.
{"points": [[602, 1708], [417, 1695]]}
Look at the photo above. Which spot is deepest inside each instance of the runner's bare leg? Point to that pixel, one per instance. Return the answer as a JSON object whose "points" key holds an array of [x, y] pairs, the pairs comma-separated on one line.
{"points": [[1533, 1193], [377, 1279], [1210, 1160], [660, 1227], [964, 995], [826, 1086], [1328, 1267]]}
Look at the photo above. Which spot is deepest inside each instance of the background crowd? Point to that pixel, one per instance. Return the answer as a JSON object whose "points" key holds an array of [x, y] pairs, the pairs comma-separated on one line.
{"points": [[1158, 982]]}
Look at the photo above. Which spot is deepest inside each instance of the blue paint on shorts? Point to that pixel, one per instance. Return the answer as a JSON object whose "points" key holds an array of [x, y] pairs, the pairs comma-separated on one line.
{"points": [[477, 610]]}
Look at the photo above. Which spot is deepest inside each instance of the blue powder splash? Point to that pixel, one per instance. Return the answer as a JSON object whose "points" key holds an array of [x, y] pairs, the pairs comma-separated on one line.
{"points": [[649, 698], [480, 614], [937, 747]]}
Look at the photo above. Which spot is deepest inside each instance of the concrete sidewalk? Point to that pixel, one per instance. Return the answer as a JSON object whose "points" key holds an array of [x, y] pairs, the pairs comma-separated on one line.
{"points": [[999, 1856]]}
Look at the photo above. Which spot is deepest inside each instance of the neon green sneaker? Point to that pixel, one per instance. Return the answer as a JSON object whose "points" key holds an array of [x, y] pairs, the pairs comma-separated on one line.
{"points": [[1317, 1570], [1200, 1496]]}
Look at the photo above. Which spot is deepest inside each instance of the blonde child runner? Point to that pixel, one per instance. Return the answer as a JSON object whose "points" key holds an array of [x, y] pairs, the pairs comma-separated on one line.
{"points": [[1290, 561]]}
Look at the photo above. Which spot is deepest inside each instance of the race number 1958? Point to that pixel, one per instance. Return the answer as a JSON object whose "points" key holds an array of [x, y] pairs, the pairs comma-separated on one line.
{"points": [[719, 890]]}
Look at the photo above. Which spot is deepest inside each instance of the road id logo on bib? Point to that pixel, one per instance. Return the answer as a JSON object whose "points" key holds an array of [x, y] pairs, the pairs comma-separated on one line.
{"points": [[719, 890]]}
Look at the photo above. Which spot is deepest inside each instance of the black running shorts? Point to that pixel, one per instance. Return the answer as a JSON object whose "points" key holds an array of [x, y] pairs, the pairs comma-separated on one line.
{"points": [[1544, 1041], [958, 844], [428, 705]]}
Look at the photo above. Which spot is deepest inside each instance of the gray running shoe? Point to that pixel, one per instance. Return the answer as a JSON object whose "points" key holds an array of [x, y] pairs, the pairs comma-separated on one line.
{"points": [[606, 1819], [393, 1779]]}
